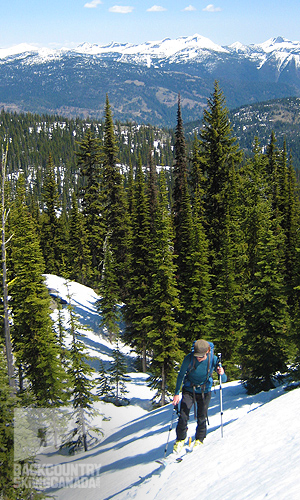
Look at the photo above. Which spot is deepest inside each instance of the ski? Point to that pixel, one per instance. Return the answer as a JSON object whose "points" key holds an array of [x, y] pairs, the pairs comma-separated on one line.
{"points": [[174, 457]]}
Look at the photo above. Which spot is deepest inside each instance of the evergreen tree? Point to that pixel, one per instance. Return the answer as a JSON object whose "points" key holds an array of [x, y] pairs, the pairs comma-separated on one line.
{"points": [[152, 190], [164, 297], [183, 228], [220, 161], [117, 373], [265, 344], [34, 341], [7, 404], [197, 180], [137, 304], [219, 154], [253, 196], [199, 303], [228, 299], [272, 155], [290, 213], [130, 191], [61, 333], [103, 381], [11, 466], [4, 243], [91, 195], [79, 253], [50, 225], [181, 207], [116, 216], [83, 399], [107, 305]]}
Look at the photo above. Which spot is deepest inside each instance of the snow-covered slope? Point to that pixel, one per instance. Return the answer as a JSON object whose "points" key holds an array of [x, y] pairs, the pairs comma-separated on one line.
{"points": [[278, 49], [258, 456]]}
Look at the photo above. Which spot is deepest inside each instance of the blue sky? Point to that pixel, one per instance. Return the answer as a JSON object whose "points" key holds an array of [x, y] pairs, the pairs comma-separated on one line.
{"points": [[57, 23]]}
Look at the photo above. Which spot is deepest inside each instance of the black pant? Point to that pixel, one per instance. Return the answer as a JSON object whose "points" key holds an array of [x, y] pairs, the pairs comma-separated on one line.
{"points": [[187, 401]]}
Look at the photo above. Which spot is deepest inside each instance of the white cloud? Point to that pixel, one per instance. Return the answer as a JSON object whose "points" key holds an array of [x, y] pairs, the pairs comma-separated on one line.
{"points": [[212, 8], [93, 4], [156, 8], [120, 9], [190, 7]]}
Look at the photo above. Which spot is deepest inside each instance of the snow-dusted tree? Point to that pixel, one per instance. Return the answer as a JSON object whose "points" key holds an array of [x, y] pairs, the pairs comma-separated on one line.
{"points": [[103, 381], [80, 373], [118, 375]]}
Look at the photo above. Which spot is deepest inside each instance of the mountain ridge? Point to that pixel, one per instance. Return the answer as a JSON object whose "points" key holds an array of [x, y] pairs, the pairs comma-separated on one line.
{"points": [[196, 41], [144, 80]]}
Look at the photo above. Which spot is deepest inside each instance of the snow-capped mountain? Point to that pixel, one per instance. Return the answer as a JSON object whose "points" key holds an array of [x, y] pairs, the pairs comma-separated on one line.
{"points": [[158, 49], [143, 80], [182, 49]]}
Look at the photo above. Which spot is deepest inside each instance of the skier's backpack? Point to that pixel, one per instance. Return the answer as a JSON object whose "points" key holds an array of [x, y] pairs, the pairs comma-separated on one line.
{"points": [[209, 364]]}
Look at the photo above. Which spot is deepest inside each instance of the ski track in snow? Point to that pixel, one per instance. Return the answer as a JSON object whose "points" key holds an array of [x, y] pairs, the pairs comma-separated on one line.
{"points": [[258, 457]]}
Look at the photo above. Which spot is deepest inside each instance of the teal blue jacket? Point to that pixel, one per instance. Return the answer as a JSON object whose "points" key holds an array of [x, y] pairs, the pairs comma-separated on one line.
{"points": [[197, 373]]}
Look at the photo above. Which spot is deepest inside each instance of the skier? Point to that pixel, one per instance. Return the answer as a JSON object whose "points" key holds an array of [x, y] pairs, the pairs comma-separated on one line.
{"points": [[196, 375]]}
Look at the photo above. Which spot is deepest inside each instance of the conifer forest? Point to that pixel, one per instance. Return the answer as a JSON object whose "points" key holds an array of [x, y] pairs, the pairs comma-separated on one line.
{"points": [[182, 239]]}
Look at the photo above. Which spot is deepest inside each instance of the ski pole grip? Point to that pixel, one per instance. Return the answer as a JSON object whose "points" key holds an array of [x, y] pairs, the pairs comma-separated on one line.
{"points": [[219, 359]]}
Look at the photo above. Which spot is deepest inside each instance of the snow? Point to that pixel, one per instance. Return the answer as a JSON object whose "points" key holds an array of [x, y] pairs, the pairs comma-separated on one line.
{"points": [[161, 48], [279, 44], [17, 49], [258, 456], [183, 49]]}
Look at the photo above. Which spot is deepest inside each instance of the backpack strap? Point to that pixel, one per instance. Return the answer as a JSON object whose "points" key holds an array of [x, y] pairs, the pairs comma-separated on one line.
{"points": [[192, 363]]}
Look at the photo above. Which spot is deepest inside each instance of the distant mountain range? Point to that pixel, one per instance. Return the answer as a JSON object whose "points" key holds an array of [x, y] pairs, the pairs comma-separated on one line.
{"points": [[143, 81]]}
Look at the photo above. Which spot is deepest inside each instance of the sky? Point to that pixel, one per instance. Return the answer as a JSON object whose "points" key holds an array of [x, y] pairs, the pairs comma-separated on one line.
{"points": [[67, 23]]}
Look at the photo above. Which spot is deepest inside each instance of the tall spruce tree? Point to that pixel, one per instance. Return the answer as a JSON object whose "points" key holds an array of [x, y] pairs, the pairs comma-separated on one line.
{"points": [[91, 197], [220, 160], [152, 189], [181, 208], [116, 215], [200, 293], [79, 256], [50, 230], [164, 297], [108, 305], [289, 206], [34, 341], [137, 304], [253, 193], [183, 227], [219, 154], [266, 340]]}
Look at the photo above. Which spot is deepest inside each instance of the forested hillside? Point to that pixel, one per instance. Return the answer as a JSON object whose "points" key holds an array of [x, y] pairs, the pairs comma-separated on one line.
{"points": [[208, 247], [33, 137], [281, 116]]}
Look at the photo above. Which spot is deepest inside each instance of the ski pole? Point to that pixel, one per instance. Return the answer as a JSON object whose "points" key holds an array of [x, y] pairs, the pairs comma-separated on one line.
{"points": [[170, 428], [221, 396]]}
